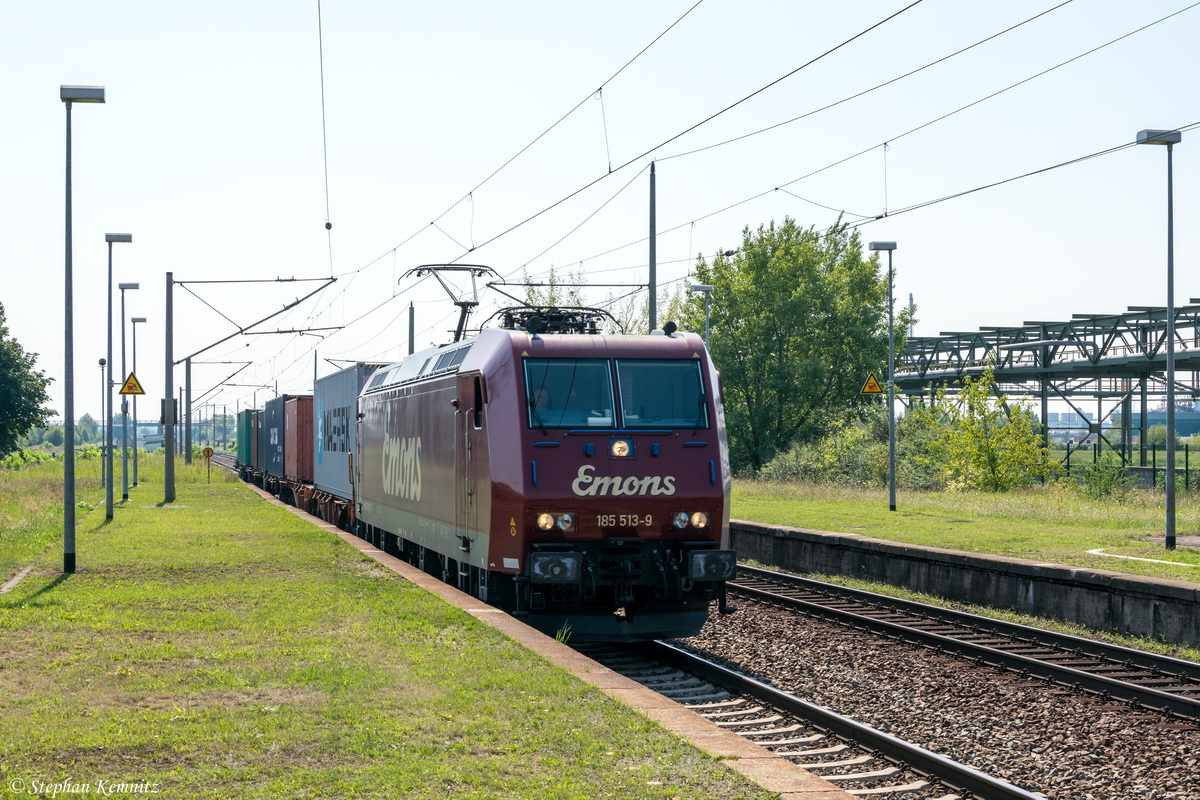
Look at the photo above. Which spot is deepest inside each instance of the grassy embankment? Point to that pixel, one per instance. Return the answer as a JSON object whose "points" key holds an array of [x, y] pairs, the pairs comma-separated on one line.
{"points": [[222, 647], [1051, 524]]}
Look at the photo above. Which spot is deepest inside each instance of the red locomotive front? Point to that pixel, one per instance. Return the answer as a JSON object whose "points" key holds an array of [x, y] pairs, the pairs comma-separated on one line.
{"points": [[581, 481]]}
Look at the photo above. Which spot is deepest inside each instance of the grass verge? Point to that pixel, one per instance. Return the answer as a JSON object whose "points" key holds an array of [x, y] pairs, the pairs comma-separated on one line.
{"points": [[221, 647]]}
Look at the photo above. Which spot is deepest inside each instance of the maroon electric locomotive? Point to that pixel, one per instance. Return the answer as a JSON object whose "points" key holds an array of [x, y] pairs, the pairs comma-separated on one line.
{"points": [[578, 480]]}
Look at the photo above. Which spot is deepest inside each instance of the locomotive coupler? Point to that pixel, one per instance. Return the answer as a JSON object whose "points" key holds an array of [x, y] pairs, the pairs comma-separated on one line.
{"points": [[723, 606]]}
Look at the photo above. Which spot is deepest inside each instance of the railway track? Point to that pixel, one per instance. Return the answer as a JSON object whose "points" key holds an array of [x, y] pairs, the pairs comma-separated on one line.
{"points": [[858, 759], [226, 460], [1157, 683]]}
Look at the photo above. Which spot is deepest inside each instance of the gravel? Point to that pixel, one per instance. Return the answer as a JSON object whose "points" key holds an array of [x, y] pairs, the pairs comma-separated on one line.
{"points": [[1040, 738]]}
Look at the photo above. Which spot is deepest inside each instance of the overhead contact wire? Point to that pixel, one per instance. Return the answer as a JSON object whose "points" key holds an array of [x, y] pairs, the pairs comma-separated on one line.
{"points": [[841, 161], [561, 119], [867, 91], [702, 122], [324, 136], [966, 192]]}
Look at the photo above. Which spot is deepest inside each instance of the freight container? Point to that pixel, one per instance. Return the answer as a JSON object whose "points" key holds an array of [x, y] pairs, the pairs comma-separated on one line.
{"points": [[270, 438], [334, 428], [298, 439], [245, 437], [254, 418]]}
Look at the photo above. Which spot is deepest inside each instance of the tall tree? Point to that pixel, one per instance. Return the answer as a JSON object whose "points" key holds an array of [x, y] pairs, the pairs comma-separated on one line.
{"points": [[22, 392], [797, 321]]}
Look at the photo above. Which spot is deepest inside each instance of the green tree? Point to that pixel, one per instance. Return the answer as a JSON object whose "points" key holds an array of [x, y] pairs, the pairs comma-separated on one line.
{"points": [[87, 429], [632, 309], [55, 436], [1156, 436], [555, 291], [798, 319], [987, 443], [22, 392]]}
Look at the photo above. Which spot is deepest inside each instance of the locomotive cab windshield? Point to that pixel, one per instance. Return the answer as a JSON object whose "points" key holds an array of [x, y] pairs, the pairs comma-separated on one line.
{"points": [[579, 393]]}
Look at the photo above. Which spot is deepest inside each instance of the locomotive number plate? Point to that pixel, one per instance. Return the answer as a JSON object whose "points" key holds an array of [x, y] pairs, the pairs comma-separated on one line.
{"points": [[624, 520]]}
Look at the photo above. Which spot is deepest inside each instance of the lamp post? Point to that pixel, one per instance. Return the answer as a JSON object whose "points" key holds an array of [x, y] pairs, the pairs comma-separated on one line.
{"points": [[108, 490], [103, 390], [134, 322], [707, 290], [1169, 138], [891, 383], [70, 95], [124, 402]]}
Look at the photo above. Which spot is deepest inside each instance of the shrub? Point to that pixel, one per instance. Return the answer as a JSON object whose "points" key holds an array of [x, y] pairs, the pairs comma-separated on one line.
{"points": [[1105, 477]]}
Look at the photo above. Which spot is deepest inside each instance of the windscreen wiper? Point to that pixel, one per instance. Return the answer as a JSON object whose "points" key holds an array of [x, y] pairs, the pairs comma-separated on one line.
{"points": [[538, 417]]}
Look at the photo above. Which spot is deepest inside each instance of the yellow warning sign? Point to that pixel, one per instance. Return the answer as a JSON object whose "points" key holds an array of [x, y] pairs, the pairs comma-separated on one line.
{"points": [[872, 385], [132, 386], [512, 527]]}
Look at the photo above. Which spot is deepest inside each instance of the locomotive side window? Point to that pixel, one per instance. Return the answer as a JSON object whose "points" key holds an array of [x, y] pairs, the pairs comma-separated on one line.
{"points": [[569, 393], [477, 415], [662, 394]]}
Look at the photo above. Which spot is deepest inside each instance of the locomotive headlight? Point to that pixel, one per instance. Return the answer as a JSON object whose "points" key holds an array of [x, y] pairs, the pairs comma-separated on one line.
{"points": [[561, 521], [699, 520], [555, 567], [680, 519], [712, 565]]}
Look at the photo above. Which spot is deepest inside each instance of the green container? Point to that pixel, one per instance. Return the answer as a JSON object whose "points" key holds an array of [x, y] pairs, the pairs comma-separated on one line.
{"points": [[245, 438]]}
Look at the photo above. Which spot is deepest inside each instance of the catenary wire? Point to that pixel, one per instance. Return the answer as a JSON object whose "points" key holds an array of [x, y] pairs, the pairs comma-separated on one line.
{"points": [[876, 87], [473, 246], [324, 135], [693, 127], [913, 130], [561, 119], [782, 187], [964, 193]]}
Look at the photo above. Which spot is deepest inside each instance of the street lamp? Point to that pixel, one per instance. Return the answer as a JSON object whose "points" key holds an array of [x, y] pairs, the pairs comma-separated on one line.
{"points": [[1169, 138], [889, 247], [707, 290], [134, 322], [70, 95], [103, 389], [108, 491], [124, 402]]}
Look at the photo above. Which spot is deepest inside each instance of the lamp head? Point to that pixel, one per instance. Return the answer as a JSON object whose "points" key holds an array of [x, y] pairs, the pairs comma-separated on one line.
{"points": [[136, 320], [118, 237], [882, 245], [1159, 137], [124, 286], [81, 94]]}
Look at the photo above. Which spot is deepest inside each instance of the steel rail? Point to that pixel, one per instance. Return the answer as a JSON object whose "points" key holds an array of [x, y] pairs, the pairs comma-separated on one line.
{"points": [[1127, 656], [958, 777], [1153, 699]]}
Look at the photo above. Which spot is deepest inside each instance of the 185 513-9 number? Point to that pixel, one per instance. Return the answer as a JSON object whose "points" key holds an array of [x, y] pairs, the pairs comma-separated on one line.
{"points": [[624, 520]]}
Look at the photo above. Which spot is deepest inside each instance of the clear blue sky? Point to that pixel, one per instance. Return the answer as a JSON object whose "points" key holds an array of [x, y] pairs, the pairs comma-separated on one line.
{"points": [[209, 151]]}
